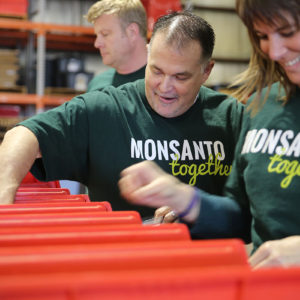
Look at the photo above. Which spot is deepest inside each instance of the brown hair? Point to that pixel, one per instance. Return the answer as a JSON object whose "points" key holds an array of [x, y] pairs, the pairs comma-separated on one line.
{"points": [[183, 27], [262, 71]]}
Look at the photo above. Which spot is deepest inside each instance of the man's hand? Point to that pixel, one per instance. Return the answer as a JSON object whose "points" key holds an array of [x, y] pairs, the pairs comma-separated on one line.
{"points": [[147, 184], [166, 215], [277, 253]]}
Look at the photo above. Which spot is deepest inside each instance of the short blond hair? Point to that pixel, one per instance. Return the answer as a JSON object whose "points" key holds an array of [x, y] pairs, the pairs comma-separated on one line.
{"points": [[128, 11]]}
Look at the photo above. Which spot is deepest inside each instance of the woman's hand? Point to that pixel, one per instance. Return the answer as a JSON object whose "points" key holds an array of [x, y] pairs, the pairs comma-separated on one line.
{"points": [[277, 253]]}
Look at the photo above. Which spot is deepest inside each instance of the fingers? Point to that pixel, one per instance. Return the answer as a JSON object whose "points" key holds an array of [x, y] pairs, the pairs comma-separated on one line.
{"points": [[128, 185], [134, 191], [170, 217], [261, 256], [145, 171], [162, 211], [146, 184], [269, 254], [165, 214], [136, 177]]}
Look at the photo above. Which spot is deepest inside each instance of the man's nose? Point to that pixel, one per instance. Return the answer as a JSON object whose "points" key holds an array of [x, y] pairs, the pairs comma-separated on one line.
{"points": [[165, 84], [98, 43]]}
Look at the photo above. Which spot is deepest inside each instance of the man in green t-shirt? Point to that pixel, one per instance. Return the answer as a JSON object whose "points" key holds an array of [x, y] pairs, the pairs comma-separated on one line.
{"points": [[121, 37], [189, 130]]}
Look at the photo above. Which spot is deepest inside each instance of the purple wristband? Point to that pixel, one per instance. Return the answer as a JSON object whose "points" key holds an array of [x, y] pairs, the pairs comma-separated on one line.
{"points": [[192, 203]]}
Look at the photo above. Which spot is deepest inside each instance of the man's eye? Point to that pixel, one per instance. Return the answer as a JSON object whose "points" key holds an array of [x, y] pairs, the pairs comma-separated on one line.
{"points": [[156, 72], [181, 78]]}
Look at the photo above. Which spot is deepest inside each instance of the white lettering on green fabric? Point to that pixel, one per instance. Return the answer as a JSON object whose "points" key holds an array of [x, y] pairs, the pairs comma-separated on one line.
{"points": [[272, 141], [185, 151], [277, 143]]}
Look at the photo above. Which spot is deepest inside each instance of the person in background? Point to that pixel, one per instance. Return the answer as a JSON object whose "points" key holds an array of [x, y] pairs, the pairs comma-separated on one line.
{"points": [[121, 37], [169, 117], [263, 189]]}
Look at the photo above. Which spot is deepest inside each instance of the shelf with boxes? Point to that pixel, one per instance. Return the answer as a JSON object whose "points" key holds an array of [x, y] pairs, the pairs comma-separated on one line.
{"points": [[70, 35], [47, 36], [9, 65]]}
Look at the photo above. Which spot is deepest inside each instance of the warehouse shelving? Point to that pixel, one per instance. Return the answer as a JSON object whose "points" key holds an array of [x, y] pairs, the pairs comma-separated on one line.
{"points": [[47, 36], [39, 101]]}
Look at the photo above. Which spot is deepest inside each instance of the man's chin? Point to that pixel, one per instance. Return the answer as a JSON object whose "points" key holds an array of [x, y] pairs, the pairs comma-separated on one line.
{"points": [[167, 113], [106, 61]]}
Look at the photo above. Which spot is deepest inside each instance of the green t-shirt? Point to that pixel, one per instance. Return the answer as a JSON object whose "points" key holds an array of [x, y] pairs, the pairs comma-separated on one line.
{"points": [[265, 178], [269, 165], [112, 77], [92, 141]]}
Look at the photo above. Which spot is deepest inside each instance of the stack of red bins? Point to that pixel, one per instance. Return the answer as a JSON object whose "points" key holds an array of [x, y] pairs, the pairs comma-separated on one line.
{"points": [[54, 245]]}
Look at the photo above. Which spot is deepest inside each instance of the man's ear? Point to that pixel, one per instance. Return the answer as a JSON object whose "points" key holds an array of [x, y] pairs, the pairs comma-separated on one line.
{"points": [[133, 30], [207, 70]]}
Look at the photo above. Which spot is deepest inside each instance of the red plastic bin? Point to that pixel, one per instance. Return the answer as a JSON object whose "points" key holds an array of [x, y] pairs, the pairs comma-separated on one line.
{"points": [[34, 237], [30, 181], [62, 219], [25, 193], [41, 208], [176, 255], [51, 198], [37, 190], [272, 284], [168, 283]]}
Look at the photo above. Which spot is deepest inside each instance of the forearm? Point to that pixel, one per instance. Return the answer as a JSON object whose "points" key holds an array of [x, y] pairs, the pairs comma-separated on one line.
{"points": [[18, 151], [221, 217]]}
